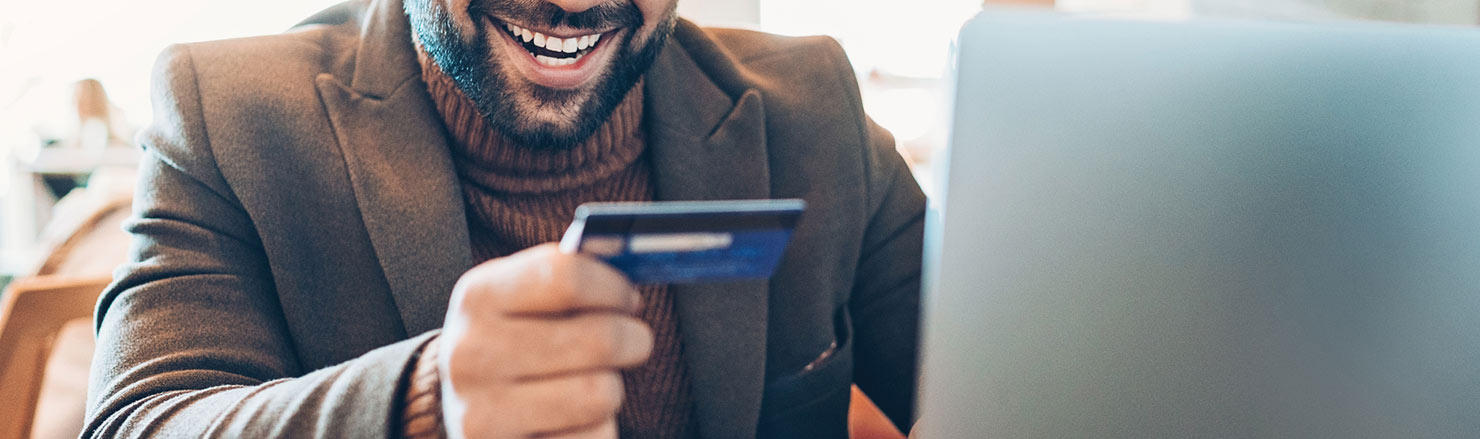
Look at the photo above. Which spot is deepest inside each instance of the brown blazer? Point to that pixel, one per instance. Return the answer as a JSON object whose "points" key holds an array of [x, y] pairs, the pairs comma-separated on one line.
{"points": [[299, 228]]}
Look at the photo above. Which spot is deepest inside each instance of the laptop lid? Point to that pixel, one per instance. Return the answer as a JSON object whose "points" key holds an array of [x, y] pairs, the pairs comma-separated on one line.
{"points": [[1206, 229]]}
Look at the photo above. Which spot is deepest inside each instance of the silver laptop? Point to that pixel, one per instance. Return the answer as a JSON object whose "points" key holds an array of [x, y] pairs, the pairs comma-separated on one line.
{"points": [[1207, 229]]}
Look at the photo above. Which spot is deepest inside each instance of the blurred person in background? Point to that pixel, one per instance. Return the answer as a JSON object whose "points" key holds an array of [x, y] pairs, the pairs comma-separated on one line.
{"points": [[96, 125], [98, 120], [346, 231]]}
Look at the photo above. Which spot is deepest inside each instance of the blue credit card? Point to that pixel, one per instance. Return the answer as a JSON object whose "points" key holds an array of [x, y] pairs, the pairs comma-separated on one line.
{"points": [[671, 242]]}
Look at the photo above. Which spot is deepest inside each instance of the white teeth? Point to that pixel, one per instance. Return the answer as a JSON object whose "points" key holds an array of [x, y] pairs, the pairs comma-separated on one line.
{"points": [[555, 62], [553, 44]]}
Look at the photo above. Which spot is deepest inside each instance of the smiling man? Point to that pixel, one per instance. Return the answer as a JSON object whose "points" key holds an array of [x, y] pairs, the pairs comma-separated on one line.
{"points": [[346, 231]]}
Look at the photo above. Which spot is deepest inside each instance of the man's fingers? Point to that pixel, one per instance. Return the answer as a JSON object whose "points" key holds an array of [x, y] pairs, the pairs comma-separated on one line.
{"points": [[548, 282], [565, 406], [605, 430], [582, 282], [535, 340], [582, 342]]}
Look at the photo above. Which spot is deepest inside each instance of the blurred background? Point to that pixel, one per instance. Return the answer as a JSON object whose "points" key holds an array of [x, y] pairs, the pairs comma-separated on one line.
{"points": [[74, 80]]}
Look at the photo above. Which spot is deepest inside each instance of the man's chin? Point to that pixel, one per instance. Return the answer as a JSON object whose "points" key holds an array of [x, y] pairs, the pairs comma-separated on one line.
{"points": [[547, 118], [548, 136], [554, 118]]}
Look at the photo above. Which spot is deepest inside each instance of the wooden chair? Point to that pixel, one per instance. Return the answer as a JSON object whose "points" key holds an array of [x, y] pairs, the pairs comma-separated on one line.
{"points": [[32, 311], [866, 421]]}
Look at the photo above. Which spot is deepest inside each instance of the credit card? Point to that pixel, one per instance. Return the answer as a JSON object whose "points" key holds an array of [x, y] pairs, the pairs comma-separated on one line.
{"points": [[668, 242]]}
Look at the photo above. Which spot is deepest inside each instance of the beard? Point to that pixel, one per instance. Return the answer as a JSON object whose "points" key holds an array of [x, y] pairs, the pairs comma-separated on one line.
{"points": [[528, 113]]}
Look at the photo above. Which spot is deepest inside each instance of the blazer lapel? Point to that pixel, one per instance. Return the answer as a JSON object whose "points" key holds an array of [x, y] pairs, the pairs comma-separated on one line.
{"points": [[707, 146], [401, 169]]}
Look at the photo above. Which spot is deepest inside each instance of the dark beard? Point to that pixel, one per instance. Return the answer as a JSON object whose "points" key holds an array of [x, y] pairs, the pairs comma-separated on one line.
{"points": [[467, 60]]}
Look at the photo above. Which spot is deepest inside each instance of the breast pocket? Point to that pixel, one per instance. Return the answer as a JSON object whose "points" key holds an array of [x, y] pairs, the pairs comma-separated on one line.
{"points": [[813, 401]]}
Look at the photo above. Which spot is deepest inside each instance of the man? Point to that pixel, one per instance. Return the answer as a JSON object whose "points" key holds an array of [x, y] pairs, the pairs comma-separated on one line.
{"points": [[343, 231]]}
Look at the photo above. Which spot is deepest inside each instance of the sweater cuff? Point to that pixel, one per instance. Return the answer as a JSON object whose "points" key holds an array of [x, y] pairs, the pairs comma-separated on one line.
{"points": [[421, 414]]}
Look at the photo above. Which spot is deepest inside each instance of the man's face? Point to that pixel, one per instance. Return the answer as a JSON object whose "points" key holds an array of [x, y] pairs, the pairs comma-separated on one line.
{"points": [[546, 73]]}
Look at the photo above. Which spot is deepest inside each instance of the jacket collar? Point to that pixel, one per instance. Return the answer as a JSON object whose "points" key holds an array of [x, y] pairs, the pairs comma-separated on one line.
{"points": [[707, 142], [385, 59], [401, 171]]}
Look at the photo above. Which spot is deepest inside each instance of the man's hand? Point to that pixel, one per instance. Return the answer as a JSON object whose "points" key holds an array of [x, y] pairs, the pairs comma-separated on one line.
{"points": [[532, 346]]}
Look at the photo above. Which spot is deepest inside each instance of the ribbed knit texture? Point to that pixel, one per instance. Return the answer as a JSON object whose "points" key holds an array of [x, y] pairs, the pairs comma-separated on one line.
{"points": [[518, 197], [421, 417]]}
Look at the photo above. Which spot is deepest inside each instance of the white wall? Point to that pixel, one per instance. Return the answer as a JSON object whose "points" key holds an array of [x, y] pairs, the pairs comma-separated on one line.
{"points": [[731, 13], [46, 45], [1417, 11]]}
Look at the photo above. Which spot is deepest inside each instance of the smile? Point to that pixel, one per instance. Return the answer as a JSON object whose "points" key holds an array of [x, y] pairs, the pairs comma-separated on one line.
{"points": [[553, 51], [556, 58]]}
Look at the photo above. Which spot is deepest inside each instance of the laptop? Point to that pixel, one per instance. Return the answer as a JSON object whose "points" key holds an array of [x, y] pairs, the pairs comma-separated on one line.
{"points": [[1206, 228]]}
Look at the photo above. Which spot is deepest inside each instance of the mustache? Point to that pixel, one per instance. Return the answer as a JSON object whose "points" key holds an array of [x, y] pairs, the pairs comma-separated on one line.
{"points": [[541, 13]]}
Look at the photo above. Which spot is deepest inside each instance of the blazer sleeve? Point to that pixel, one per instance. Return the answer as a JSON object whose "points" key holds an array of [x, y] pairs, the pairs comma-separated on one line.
{"points": [[191, 340], [885, 302]]}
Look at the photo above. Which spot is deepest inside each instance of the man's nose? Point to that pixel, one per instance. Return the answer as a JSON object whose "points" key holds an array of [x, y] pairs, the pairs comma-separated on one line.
{"points": [[575, 5]]}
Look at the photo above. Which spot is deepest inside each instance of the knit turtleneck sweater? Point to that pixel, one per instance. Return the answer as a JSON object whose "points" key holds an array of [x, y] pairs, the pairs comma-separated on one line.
{"points": [[518, 196]]}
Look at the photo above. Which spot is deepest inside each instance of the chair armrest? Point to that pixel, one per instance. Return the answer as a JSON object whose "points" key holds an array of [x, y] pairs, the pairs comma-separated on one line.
{"points": [[32, 310]]}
